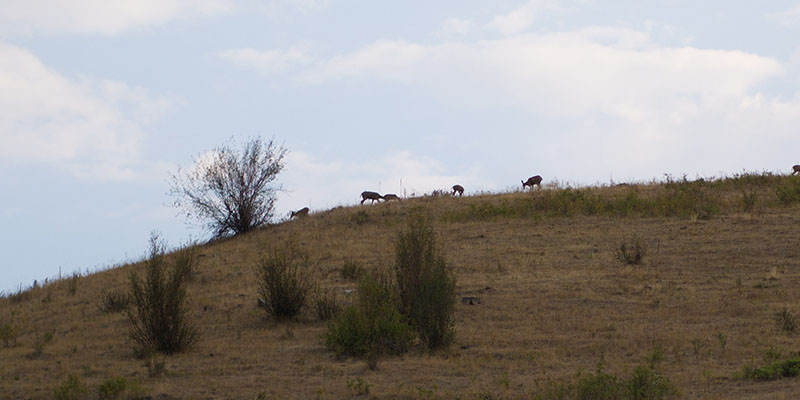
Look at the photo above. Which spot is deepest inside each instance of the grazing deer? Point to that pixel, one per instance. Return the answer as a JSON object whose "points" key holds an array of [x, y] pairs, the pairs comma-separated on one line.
{"points": [[303, 212], [795, 169], [367, 195], [458, 189], [534, 180], [390, 197]]}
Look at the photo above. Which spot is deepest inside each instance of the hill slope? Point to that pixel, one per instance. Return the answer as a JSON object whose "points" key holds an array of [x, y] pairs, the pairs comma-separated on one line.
{"points": [[722, 260]]}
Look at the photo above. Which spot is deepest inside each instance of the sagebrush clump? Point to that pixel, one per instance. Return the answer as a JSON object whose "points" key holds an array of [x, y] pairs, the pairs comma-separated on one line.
{"points": [[372, 326], [283, 282], [159, 313], [632, 252], [425, 285]]}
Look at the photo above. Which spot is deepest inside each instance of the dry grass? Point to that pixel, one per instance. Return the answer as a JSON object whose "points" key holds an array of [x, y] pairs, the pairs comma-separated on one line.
{"points": [[554, 301]]}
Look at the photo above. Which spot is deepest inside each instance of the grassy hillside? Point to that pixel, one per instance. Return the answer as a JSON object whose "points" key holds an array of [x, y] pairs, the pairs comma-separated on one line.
{"points": [[716, 292]]}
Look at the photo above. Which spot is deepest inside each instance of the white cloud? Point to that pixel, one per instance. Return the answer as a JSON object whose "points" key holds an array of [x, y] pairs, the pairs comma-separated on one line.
{"points": [[789, 17], [522, 18], [99, 16], [615, 71], [267, 61], [613, 91], [390, 59], [90, 128], [457, 26]]}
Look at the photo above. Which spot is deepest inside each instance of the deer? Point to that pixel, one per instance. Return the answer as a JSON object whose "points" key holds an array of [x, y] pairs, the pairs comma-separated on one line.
{"points": [[367, 195], [796, 169], [390, 197], [534, 180], [458, 189], [303, 212]]}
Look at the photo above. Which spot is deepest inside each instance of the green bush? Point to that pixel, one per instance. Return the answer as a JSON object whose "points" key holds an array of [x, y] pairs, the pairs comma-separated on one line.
{"points": [[372, 326], [600, 386], [425, 285], [788, 191], [71, 389], [776, 370], [644, 384], [119, 388], [282, 283], [159, 316]]}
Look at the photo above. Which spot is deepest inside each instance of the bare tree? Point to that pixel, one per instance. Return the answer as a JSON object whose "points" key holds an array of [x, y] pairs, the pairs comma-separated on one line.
{"points": [[230, 191]]}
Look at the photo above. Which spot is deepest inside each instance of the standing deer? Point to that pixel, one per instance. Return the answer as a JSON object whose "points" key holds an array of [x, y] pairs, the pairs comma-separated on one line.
{"points": [[458, 189], [390, 197], [303, 212], [367, 195], [795, 169], [534, 180]]}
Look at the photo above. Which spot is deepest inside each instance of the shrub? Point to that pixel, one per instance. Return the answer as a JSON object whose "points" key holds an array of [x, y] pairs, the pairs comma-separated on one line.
{"points": [[39, 343], [159, 316], [71, 389], [372, 326], [282, 284], [117, 388], [633, 252], [186, 262], [115, 302], [786, 321], [20, 296], [326, 305], [8, 335], [352, 270], [778, 369], [72, 283], [155, 365], [360, 218], [788, 191], [748, 200], [425, 284], [600, 385], [644, 384], [233, 192]]}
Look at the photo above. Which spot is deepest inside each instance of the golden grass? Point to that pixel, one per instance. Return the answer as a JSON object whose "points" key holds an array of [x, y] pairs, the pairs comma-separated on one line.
{"points": [[554, 302]]}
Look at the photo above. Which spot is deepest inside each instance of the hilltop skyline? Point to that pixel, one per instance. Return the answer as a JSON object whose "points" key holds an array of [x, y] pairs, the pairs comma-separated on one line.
{"points": [[99, 102]]}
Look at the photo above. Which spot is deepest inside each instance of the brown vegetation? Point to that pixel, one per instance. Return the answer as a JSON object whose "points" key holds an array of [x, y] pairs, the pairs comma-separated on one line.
{"points": [[551, 301]]}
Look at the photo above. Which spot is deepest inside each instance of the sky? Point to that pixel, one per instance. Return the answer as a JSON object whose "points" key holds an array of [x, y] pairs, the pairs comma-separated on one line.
{"points": [[100, 101]]}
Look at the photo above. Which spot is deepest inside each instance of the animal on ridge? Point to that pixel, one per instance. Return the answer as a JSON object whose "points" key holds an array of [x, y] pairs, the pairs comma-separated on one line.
{"points": [[534, 180], [458, 189], [390, 197], [299, 213], [367, 195]]}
